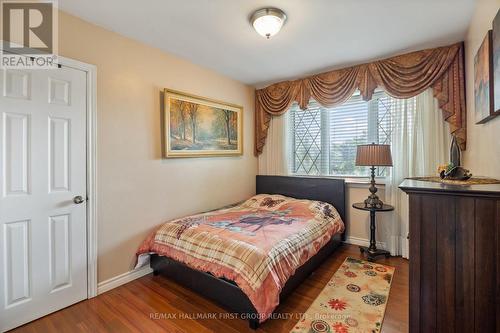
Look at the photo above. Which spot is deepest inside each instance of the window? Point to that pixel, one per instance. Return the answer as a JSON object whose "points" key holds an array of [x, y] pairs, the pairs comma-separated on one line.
{"points": [[323, 140]]}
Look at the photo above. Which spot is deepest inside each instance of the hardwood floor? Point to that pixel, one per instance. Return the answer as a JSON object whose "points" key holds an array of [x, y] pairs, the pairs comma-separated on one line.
{"points": [[155, 304]]}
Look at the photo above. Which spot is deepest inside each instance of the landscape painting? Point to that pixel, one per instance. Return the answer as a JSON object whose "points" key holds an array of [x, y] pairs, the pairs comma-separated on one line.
{"points": [[496, 62], [197, 126], [483, 82]]}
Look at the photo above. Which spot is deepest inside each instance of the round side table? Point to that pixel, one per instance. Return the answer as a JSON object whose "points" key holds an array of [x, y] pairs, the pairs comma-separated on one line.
{"points": [[372, 251]]}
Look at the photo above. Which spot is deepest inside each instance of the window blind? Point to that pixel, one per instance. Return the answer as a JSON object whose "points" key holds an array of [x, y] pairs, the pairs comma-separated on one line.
{"points": [[349, 127]]}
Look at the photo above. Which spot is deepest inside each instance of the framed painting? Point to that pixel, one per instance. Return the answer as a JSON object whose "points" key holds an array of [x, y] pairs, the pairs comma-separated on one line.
{"points": [[496, 63], [196, 126], [483, 81]]}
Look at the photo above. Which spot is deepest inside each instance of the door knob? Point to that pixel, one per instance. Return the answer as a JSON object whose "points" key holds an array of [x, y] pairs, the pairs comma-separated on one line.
{"points": [[78, 199]]}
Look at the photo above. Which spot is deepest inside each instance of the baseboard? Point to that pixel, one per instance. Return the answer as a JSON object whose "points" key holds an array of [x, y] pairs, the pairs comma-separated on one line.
{"points": [[364, 242], [126, 277]]}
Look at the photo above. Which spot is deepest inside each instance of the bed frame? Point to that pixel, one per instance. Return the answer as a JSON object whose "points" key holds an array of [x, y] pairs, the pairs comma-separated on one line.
{"points": [[226, 293]]}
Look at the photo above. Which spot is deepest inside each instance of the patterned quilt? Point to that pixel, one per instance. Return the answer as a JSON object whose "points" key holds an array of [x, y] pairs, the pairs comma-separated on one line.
{"points": [[258, 244]]}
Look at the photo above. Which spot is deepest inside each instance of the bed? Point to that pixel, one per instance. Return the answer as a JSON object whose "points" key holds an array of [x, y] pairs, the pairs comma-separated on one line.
{"points": [[235, 294]]}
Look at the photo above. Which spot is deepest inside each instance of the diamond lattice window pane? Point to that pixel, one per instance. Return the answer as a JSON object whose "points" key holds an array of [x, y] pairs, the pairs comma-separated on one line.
{"points": [[307, 141]]}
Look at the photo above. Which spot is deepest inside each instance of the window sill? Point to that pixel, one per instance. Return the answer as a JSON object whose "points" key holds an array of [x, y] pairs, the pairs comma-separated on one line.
{"points": [[363, 182], [354, 182]]}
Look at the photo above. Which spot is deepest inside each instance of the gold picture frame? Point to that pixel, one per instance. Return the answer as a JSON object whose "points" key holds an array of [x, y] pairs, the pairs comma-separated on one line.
{"points": [[195, 126]]}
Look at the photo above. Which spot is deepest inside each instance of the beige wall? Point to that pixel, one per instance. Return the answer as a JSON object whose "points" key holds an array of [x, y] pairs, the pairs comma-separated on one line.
{"points": [[137, 188], [482, 156]]}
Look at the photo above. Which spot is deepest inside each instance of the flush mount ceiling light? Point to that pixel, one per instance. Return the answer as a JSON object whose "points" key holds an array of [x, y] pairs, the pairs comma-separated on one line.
{"points": [[268, 21]]}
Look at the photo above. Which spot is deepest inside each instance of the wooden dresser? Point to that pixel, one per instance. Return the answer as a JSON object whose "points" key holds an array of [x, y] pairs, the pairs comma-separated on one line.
{"points": [[454, 257]]}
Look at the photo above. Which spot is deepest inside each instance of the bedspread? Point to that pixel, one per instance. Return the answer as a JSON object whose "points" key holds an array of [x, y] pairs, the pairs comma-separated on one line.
{"points": [[258, 244]]}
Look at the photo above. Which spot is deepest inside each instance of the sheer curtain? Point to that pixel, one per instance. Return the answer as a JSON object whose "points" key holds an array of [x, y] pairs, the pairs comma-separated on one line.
{"points": [[419, 143], [273, 160]]}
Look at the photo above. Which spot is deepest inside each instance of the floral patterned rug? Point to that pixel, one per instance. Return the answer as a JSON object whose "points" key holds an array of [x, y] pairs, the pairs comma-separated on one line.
{"points": [[354, 300]]}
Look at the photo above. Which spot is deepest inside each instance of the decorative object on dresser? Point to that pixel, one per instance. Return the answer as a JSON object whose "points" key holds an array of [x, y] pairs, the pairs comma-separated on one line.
{"points": [[373, 155], [372, 251], [483, 81], [454, 257], [453, 170], [354, 299], [455, 153], [197, 127]]}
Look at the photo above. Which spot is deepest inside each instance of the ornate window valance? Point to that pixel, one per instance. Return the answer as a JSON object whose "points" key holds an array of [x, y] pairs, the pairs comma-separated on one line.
{"points": [[403, 76]]}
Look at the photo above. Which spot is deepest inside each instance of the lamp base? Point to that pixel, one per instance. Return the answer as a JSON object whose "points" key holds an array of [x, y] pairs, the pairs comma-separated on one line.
{"points": [[374, 253], [373, 200]]}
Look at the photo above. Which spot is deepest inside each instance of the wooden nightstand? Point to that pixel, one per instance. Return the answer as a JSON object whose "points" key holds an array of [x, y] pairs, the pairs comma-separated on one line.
{"points": [[372, 250]]}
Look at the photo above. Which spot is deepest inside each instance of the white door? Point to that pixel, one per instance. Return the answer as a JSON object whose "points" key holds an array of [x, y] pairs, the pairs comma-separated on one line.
{"points": [[43, 251]]}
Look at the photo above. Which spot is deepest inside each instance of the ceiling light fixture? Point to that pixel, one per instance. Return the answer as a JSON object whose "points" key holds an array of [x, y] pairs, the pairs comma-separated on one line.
{"points": [[268, 21]]}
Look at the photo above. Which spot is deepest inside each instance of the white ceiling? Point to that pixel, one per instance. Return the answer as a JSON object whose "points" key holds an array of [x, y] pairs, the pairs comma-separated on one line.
{"points": [[318, 35]]}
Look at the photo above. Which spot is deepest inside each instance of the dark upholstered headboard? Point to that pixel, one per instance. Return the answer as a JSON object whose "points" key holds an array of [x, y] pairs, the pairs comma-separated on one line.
{"points": [[322, 189]]}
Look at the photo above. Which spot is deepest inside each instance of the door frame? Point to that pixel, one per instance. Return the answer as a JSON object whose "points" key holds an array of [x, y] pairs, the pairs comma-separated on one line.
{"points": [[91, 131], [91, 158]]}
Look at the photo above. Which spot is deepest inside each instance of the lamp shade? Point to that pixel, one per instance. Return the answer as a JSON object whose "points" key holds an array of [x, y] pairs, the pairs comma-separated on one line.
{"points": [[373, 155]]}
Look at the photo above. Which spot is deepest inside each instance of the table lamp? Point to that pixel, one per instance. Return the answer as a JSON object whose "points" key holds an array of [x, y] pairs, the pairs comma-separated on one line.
{"points": [[373, 155]]}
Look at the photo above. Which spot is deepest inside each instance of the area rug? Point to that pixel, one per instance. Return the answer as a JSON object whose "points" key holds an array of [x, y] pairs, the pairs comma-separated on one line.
{"points": [[354, 300]]}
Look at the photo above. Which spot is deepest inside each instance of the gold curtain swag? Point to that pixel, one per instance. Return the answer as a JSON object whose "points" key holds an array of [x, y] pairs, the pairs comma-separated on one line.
{"points": [[403, 76]]}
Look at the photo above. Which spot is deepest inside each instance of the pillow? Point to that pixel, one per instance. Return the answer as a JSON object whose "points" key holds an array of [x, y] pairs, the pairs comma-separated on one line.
{"points": [[267, 201], [274, 202]]}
